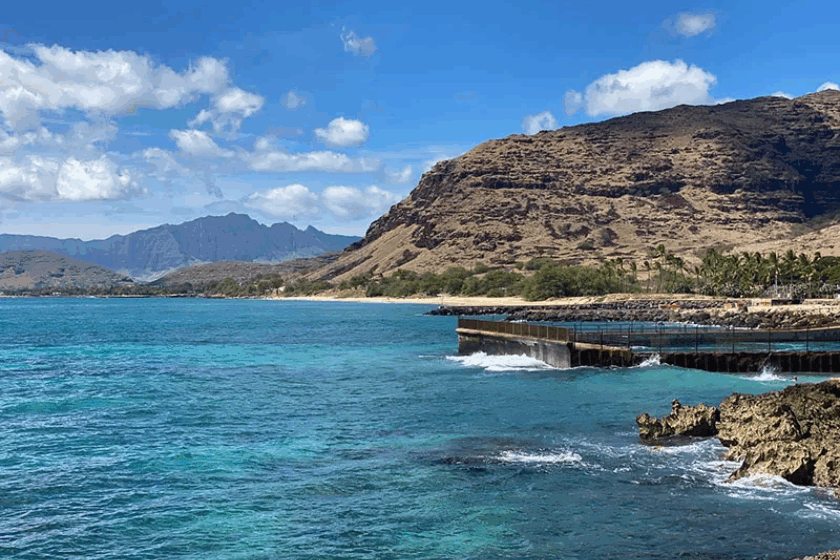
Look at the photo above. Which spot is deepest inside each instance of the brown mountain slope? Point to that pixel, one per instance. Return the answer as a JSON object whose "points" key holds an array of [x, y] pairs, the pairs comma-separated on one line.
{"points": [[689, 177], [242, 272], [38, 270]]}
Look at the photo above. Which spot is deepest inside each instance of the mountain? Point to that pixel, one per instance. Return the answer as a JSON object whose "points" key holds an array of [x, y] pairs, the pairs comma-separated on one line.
{"points": [[201, 275], [691, 177], [36, 270], [151, 253]]}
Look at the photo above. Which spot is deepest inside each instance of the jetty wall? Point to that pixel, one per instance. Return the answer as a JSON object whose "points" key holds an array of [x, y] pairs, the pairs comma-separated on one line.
{"points": [[554, 353]]}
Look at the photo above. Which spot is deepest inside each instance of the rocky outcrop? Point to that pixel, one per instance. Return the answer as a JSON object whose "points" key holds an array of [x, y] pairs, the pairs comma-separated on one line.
{"points": [[793, 433], [688, 177], [690, 421]]}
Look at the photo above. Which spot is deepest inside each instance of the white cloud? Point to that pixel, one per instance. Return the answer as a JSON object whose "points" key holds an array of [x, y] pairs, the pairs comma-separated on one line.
{"points": [[97, 82], [401, 177], [230, 108], [92, 180], [782, 94], [691, 25], [357, 45], [344, 203], [30, 179], [531, 124], [197, 143], [350, 203], [270, 160], [292, 201], [343, 132], [292, 101], [650, 86], [265, 143], [828, 85], [40, 178]]}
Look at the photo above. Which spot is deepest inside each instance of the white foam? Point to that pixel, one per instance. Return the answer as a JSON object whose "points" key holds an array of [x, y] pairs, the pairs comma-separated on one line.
{"points": [[654, 360], [521, 457], [500, 363], [819, 511], [766, 375]]}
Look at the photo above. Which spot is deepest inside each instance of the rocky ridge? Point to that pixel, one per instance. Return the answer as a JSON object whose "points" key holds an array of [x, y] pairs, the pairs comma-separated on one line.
{"points": [[690, 177]]}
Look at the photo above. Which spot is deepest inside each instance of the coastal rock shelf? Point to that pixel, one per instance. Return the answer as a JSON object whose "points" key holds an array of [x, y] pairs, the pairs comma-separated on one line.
{"points": [[793, 433]]}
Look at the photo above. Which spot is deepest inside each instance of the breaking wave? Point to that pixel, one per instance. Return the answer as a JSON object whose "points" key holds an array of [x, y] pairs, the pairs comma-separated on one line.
{"points": [[542, 458], [505, 362]]}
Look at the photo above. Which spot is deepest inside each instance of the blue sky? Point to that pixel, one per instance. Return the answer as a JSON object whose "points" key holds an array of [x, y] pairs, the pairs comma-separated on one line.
{"points": [[119, 117]]}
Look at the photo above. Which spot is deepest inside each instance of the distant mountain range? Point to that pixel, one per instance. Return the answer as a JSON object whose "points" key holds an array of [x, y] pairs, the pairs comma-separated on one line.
{"points": [[150, 253]]}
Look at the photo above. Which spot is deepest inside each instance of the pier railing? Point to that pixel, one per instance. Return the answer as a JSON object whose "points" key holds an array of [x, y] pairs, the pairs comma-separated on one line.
{"points": [[529, 330]]}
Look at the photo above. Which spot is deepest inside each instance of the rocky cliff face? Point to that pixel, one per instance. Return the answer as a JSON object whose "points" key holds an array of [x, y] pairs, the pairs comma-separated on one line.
{"points": [[688, 177], [150, 253]]}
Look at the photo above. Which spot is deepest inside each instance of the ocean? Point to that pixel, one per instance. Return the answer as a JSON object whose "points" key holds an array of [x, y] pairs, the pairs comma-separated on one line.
{"points": [[238, 429]]}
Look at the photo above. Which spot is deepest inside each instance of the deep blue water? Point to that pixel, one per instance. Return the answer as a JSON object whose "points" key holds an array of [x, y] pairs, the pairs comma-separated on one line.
{"points": [[162, 429]]}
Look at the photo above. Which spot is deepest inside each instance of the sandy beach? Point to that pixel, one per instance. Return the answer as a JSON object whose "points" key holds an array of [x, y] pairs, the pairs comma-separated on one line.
{"points": [[822, 306]]}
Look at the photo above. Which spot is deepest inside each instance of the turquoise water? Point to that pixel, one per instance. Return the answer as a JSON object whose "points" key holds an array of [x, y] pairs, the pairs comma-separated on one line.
{"points": [[161, 429]]}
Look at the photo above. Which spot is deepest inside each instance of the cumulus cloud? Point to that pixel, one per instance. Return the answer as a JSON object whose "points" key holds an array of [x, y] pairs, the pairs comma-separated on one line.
{"points": [[197, 143], [229, 109], [109, 82], [292, 101], [357, 45], [691, 25], [285, 202], [343, 133], [343, 203], [40, 178], [92, 180], [271, 160], [350, 203], [30, 179], [650, 86], [531, 124], [828, 85]]}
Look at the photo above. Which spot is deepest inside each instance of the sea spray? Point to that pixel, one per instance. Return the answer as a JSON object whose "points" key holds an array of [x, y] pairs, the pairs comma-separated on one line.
{"points": [[499, 363]]}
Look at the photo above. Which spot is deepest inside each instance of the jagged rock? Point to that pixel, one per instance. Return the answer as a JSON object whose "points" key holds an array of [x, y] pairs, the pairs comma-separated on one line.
{"points": [[830, 555], [793, 433], [695, 421]]}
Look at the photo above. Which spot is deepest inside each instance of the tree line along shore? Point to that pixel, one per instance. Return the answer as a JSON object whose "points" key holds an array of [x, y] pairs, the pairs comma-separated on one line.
{"points": [[719, 275]]}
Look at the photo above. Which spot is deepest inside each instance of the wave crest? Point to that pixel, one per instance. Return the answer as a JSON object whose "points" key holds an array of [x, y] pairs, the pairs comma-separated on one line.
{"points": [[505, 362]]}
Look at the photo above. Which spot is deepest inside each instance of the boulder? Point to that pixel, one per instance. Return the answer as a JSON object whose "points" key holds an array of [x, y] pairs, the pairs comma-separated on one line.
{"points": [[793, 433], [694, 421]]}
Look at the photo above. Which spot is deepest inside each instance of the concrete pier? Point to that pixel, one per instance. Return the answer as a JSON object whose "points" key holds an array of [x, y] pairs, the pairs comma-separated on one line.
{"points": [[564, 348]]}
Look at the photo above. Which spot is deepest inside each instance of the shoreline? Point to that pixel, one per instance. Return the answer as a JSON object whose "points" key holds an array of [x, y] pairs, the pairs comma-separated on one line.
{"points": [[680, 308]]}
